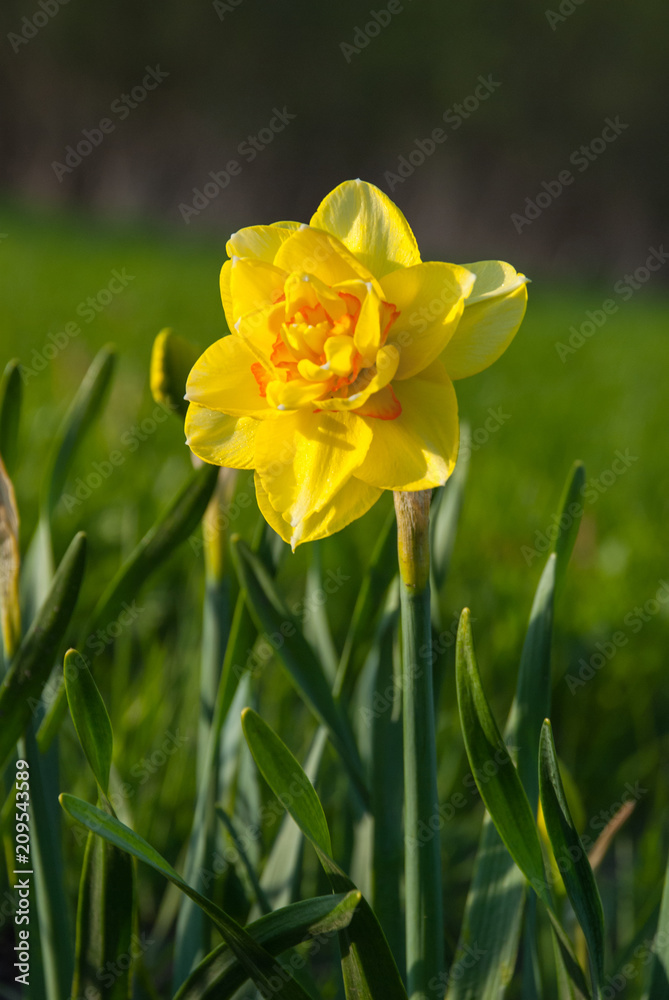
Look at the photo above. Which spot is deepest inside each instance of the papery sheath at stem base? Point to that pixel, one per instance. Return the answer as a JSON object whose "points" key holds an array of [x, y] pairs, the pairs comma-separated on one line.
{"points": [[412, 510]]}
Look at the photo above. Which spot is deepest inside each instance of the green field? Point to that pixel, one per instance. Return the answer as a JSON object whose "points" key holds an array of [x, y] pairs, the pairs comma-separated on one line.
{"points": [[531, 415]]}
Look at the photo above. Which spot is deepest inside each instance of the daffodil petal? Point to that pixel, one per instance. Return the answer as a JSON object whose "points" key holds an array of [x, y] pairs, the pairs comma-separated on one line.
{"points": [[254, 285], [430, 299], [418, 449], [304, 458], [260, 242], [383, 405], [493, 277], [222, 379], [259, 330], [312, 251], [226, 295], [220, 439], [386, 365], [352, 501], [484, 333], [293, 395], [339, 353], [370, 225]]}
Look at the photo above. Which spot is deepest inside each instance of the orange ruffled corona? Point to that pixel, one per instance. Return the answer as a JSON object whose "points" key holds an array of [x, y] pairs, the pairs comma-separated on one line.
{"points": [[336, 380]]}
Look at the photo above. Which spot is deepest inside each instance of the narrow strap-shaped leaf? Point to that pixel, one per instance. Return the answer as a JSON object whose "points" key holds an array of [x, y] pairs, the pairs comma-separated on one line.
{"points": [[241, 637], [105, 907], [22, 685], [317, 630], [191, 933], [52, 925], [280, 875], [446, 513], [571, 512], [10, 565], [659, 976], [533, 693], [567, 847], [567, 961], [296, 656], [172, 527], [502, 791], [377, 708], [496, 898], [11, 392], [79, 418], [104, 920], [90, 717], [369, 969], [381, 569], [260, 965], [242, 854], [219, 975], [285, 777]]}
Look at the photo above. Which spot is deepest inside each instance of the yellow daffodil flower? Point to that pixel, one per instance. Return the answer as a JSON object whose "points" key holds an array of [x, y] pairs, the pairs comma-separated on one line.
{"points": [[336, 380]]}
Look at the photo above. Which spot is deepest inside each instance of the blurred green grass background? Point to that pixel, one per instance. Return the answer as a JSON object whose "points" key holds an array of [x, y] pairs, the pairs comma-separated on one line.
{"points": [[607, 397]]}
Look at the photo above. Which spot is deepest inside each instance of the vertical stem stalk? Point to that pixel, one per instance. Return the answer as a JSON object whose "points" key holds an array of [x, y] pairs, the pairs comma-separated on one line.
{"points": [[424, 915]]}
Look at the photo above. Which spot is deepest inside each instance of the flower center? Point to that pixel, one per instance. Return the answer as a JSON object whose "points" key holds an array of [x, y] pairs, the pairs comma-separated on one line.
{"points": [[329, 350]]}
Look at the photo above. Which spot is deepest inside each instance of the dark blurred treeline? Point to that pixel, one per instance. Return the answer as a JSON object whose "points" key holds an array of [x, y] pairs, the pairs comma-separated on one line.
{"points": [[554, 73]]}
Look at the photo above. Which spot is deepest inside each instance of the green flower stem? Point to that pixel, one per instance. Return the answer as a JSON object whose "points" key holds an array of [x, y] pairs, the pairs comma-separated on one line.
{"points": [[424, 916]]}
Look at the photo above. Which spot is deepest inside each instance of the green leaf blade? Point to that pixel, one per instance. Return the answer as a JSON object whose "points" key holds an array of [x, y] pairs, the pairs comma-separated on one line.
{"points": [[571, 512], [22, 685], [295, 654], [172, 528], [496, 899], [219, 975], [104, 919], [370, 971], [502, 792], [78, 420], [576, 872], [11, 396], [90, 717], [282, 771], [259, 964]]}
